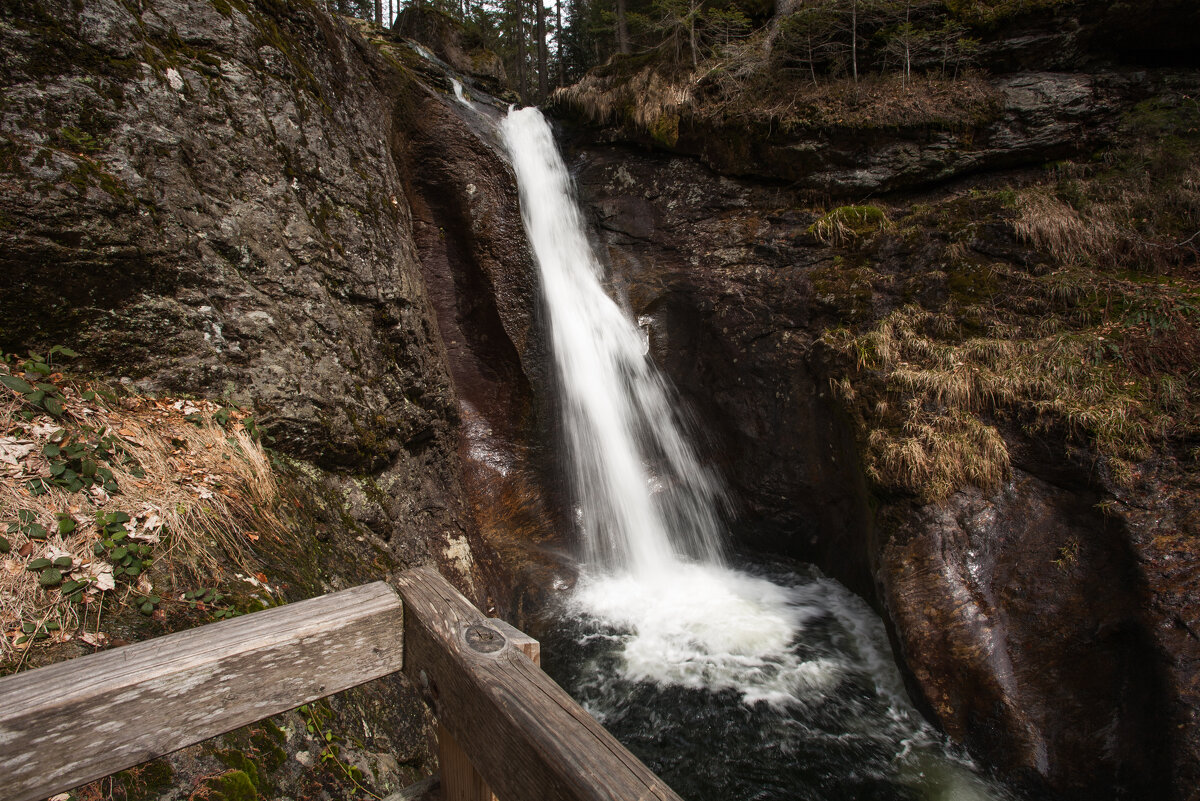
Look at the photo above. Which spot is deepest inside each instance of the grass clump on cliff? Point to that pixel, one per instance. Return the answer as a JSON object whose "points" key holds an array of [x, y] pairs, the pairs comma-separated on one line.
{"points": [[929, 430], [848, 223], [112, 504], [1091, 336]]}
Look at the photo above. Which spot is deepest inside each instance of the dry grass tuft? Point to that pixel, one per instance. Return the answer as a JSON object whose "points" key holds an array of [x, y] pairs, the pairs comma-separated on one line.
{"points": [[642, 98], [196, 493], [1055, 227], [845, 224], [928, 437], [936, 453]]}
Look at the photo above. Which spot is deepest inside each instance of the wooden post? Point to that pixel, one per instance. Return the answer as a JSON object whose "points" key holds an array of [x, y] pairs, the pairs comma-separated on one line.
{"points": [[73, 722], [460, 780], [526, 737]]}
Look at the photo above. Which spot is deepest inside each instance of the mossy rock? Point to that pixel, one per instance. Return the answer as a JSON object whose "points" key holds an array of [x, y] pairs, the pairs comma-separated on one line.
{"points": [[847, 224], [234, 785], [145, 781], [666, 130]]}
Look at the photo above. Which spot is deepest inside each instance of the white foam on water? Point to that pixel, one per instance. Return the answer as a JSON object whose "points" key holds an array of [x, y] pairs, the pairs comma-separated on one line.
{"points": [[709, 627]]}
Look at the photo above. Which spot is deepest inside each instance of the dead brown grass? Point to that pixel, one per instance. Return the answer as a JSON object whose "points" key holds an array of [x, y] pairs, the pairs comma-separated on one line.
{"points": [[928, 435], [1126, 220], [195, 491], [641, 99]]}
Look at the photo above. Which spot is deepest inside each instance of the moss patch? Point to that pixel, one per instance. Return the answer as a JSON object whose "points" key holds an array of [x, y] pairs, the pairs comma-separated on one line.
{"points": [[234, 785]]}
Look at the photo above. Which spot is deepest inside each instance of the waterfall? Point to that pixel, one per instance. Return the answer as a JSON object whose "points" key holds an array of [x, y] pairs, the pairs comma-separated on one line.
{"points": [[780, 674], [654, 558], [646, 502]]}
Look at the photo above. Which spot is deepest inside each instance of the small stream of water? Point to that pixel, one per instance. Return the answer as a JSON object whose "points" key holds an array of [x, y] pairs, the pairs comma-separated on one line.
{"points": [[732, 678]]}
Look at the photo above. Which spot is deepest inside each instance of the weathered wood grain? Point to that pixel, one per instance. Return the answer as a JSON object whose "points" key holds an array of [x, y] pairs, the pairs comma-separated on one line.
{"points": [[522, 641], [524, 734], [76, 721], [461, 782]]}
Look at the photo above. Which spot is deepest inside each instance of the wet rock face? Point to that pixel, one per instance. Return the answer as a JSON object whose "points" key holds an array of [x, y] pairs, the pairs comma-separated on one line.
{"points": [[483, 284], [1040, 624], [1021, 618]]}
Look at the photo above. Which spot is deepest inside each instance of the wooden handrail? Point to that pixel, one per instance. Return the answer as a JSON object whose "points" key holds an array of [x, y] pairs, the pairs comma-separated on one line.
{"points": [[528, 739], [76, 721]]}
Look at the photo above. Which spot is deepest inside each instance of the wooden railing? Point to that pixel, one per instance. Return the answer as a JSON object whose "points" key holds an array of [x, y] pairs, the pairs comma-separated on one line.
{"points": [[503, 723]]}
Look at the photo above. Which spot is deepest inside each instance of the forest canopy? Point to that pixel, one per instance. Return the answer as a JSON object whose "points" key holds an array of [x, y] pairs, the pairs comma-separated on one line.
{"points": [[550, 43]]}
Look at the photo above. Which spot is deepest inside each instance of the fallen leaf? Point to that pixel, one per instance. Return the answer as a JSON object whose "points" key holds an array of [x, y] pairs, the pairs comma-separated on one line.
{"points": [[105, 580], [12, 450], [95, 639], [53, 553]]}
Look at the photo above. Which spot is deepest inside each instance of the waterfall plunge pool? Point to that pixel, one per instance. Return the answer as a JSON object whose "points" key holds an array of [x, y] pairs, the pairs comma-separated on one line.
{"points": [[762, 681]]}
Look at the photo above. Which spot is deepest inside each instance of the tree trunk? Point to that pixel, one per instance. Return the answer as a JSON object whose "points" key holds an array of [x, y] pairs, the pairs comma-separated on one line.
{"points": [[541, 53], [379, 12], [854, 38], [558, 43], [522, 86], [812, 61], [693, 9], [622, 30]]}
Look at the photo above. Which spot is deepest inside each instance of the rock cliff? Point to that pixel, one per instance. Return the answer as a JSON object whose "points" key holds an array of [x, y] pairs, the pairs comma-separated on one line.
{"points": [[900, 393], [245, 202]]}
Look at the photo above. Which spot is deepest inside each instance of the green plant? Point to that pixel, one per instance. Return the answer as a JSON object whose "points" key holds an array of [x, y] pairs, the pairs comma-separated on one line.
{"points": [[210, 599], [27, 524], [37, 392], [317, 719], [36, 631], [148, 604], [75, 465], [80, 141], [128, 558]]}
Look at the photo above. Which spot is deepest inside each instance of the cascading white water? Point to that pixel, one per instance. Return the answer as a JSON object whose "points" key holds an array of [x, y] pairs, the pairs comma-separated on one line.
{"points": [[458, 93], [655, 591], [646, 502], [648, 509]]}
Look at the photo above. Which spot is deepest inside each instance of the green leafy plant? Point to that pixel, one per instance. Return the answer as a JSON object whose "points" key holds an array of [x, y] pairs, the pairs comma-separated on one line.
{"points": [[148, 604], [38, 392], [317, 720], [127, 557], [76, 465], [36, 631], [210, 599], [27, 524]]}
